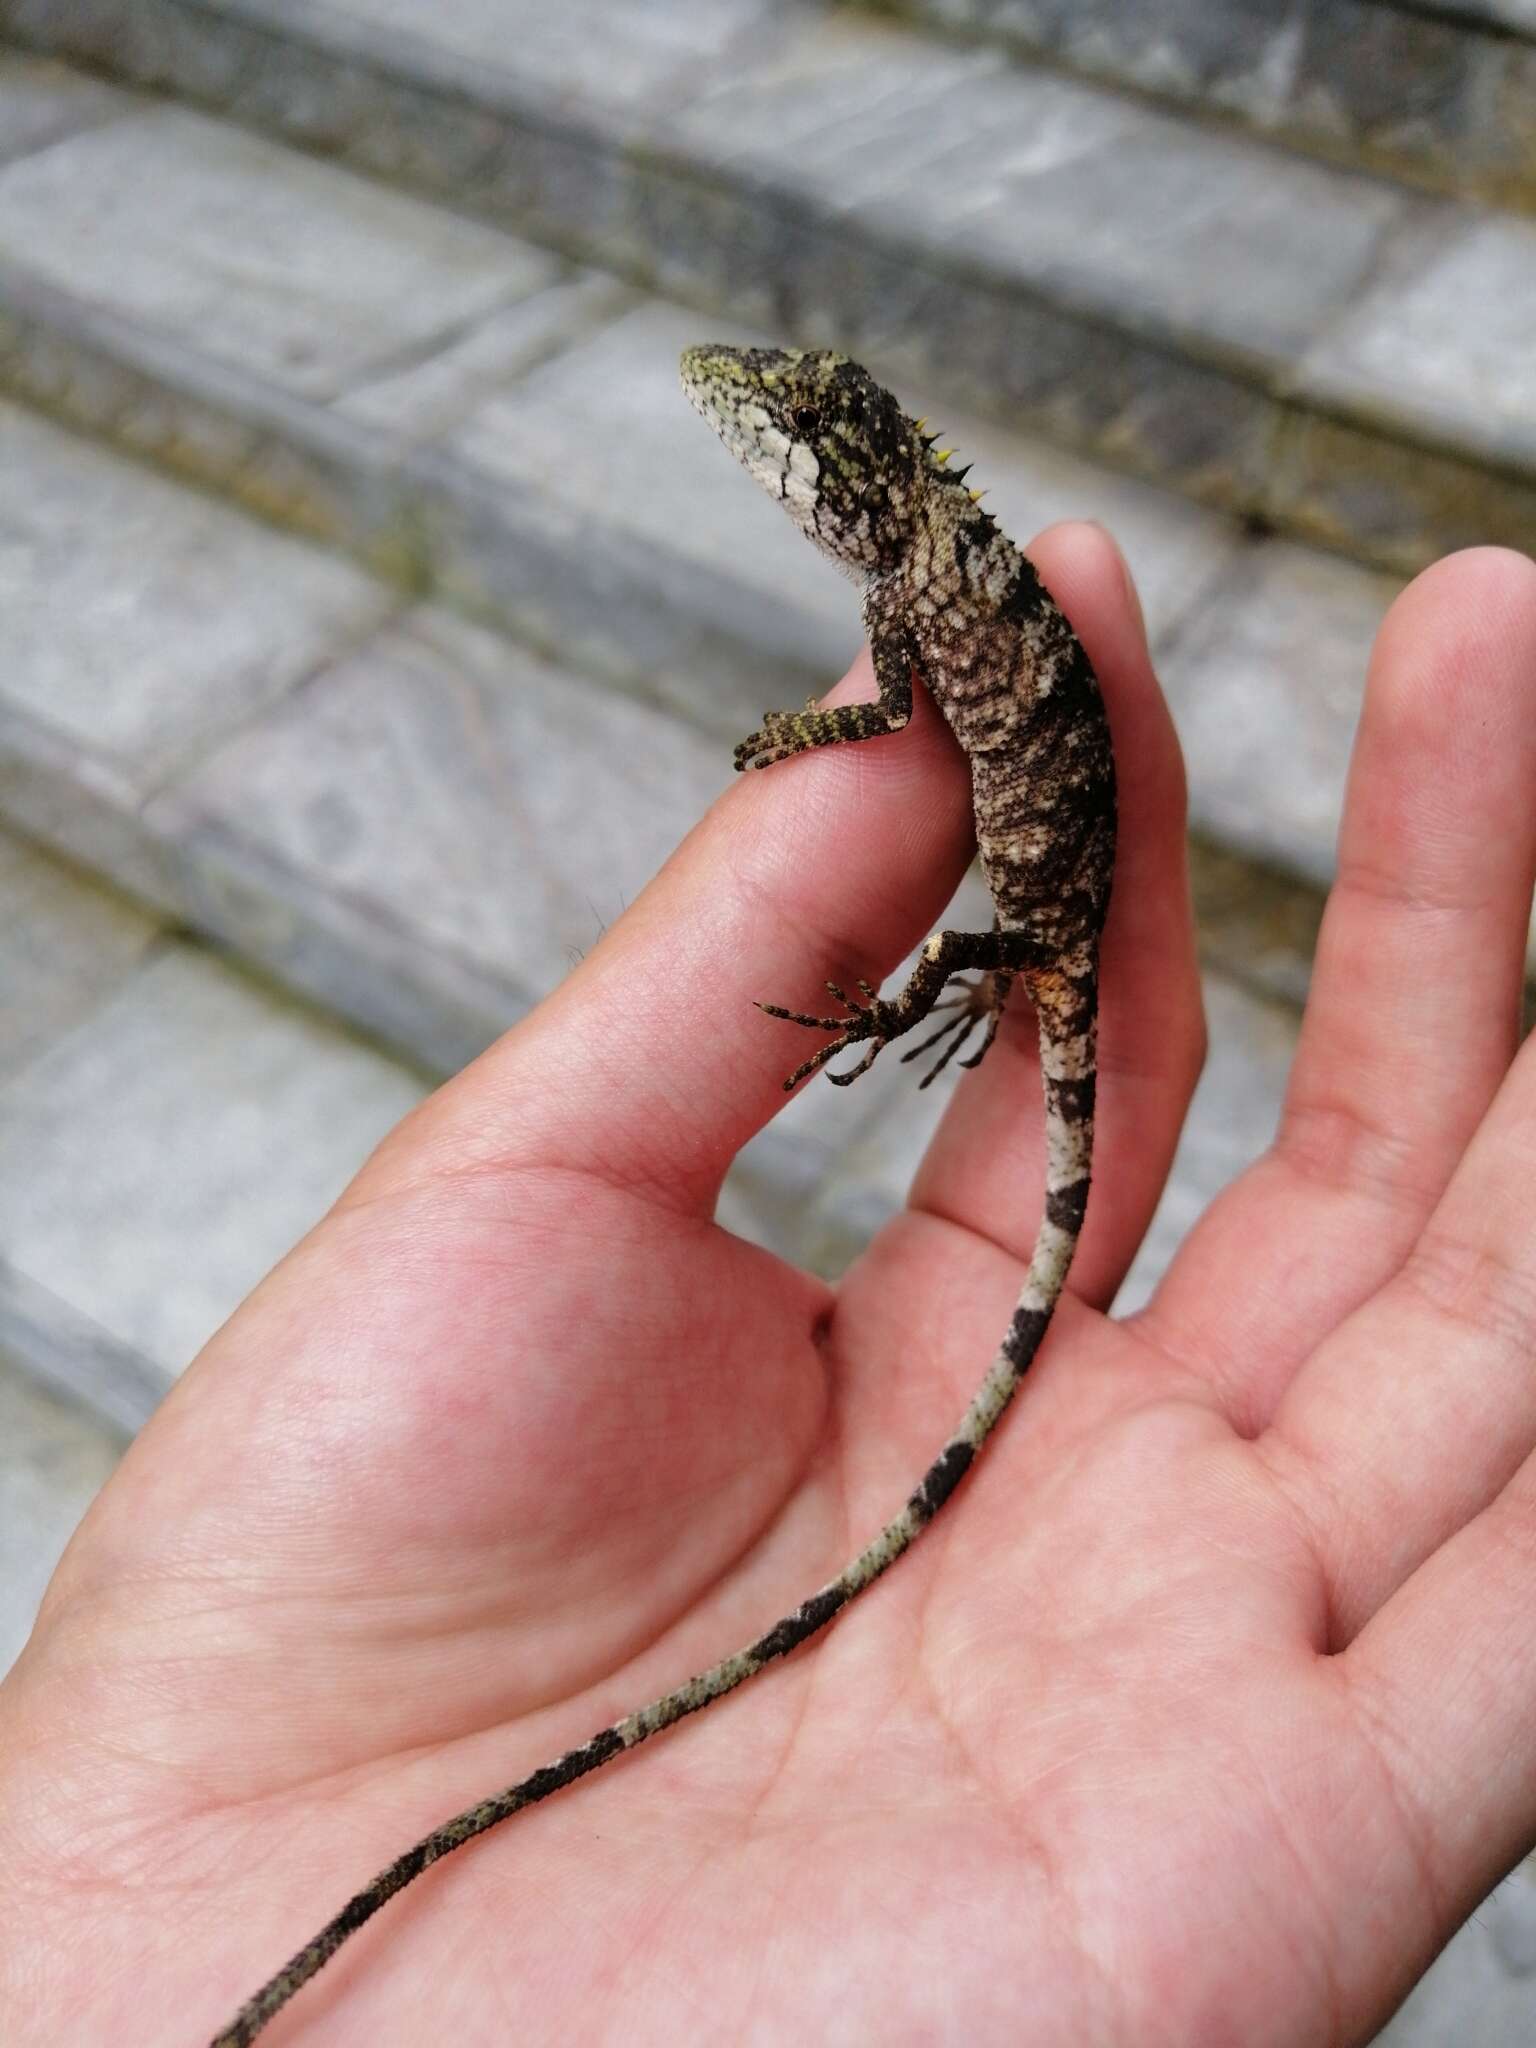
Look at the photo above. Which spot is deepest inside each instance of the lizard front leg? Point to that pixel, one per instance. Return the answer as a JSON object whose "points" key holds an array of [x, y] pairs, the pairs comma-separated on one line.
{"points": [[873, 1021], [795, 732]]}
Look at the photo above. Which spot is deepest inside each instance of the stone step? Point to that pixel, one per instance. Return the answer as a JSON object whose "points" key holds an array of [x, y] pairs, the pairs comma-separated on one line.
{"points": [[462, 411], [1441, 93], [521, 448], [168, 1128], [1281, 338], [55, 1456], [355, 791]]}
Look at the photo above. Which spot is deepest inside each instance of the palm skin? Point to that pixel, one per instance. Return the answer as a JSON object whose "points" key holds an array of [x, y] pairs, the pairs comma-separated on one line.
{"points": [[1197, 1719]]}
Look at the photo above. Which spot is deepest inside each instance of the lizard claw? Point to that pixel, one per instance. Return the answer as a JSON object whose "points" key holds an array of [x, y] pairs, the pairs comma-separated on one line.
{"points": [[869, 1020], [779, 736]]}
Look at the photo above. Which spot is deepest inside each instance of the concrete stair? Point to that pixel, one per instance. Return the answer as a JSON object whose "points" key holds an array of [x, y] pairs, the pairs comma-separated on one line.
{"points": [[1441, 92], [1277, 337]]}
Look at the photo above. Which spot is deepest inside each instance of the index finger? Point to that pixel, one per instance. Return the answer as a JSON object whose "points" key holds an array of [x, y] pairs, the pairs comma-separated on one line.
{"points": [[650, 1063]]}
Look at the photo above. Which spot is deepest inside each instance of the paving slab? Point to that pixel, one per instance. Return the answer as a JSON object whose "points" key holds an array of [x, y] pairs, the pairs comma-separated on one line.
{"points": [[54, 1459], [647, 537], [158, 1160], [1481, 1987], [1050, 253], [1265, 683], [542, 468], [298, 272], [1442, 339], [443, 785], [1118, 209], [425, 399], [1441, 92], [600, 436], [1519, 16], [69, 943], [609, 52], [40, 101], [1231, 1121], [142, 620]]}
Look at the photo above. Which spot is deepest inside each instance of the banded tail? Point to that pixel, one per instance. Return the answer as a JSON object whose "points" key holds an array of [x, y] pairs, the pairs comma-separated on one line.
{"points": [[1067, 1011]]}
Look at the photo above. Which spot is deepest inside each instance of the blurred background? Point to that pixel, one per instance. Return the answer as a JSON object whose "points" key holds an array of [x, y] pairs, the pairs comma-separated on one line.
{"points": [[377, 616]]}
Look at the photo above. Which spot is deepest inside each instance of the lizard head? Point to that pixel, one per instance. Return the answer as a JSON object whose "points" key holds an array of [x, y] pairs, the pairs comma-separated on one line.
{"points": [[821, 436]]}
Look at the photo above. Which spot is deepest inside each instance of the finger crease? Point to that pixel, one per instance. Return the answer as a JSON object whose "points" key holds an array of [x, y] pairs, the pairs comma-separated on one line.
{"points": [[1336, 1146]]}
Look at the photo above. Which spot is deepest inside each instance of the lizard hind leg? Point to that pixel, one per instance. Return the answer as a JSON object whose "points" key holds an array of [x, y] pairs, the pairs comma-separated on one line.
{"points": [[873, 1021]]}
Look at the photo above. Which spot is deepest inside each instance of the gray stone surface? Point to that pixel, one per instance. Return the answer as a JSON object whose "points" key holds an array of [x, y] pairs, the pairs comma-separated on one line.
{"points": [[68, 1353], [1397, 502], [445, 785], [621, 468], [143, 621], [1120, 279], [297, 271], [566, 489], [1519, 15], [1231, 1120], [41, 101], [54, 1460], [1265, 683], [68, 944], [1443, 338], [1255, 923], [605, 51], [1481, 1988], [427, 397], [1442, 91], [1132, 215], [602, 434], [157, 1161]]}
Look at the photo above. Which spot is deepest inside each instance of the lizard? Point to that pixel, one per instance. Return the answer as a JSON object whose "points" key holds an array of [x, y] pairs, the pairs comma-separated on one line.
{"points": [[945, 593]]}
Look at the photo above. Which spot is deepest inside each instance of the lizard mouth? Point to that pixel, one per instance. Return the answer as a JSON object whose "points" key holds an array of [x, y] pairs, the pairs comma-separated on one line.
{"points": [[726, 387]]}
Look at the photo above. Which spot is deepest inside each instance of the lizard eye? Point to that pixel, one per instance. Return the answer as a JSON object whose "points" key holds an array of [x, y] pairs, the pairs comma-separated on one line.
{"points": [[806, 418]]}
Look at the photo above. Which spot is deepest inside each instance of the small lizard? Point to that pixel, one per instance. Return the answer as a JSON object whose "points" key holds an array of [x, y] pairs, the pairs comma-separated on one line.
{"points": [[947, 593]]}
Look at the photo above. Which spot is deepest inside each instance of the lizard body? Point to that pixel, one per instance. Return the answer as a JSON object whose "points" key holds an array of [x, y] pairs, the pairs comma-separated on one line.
{"points": [[946, 592]]}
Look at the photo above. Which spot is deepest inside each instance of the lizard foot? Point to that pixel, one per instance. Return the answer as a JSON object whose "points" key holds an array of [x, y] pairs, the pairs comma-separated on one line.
{"points": [[978, 1002], [782, 733], [869, 1020]]}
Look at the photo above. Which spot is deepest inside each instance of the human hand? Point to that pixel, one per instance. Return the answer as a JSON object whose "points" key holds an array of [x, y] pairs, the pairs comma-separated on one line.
{"points": [[1202, 1714]]}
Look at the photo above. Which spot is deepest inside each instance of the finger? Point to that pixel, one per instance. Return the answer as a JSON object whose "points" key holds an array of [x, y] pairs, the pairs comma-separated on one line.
{"points": [[1412, 1417], [1413, 1015], [985, 1167], [1443, 1679], [650, 1063]]}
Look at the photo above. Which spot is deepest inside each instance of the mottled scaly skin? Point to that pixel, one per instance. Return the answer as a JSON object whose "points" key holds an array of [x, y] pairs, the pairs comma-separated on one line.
{"points": [[948, 594]]}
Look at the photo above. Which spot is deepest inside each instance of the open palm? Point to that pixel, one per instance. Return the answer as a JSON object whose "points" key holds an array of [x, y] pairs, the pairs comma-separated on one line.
{"points": [[1200, 1718]]}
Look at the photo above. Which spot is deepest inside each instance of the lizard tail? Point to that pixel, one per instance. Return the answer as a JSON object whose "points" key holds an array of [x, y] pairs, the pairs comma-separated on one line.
{"points": [[1066, 1007]]}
